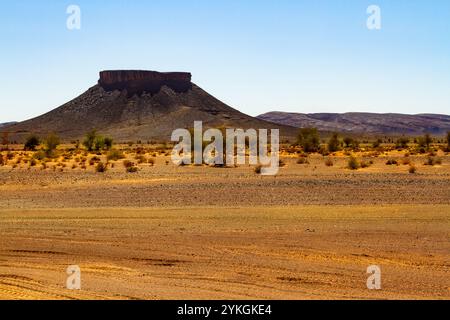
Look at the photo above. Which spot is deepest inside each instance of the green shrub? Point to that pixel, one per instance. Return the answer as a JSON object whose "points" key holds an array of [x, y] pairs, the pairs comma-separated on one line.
{"points": [[89, 140], [108, 143], [309, 139], [99, 143], [32, 142], [51, 143], [334, 143], [353, 163], [402, 143], [115, 155]]}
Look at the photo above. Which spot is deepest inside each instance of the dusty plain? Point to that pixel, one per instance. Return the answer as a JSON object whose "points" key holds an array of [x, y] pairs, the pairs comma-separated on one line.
{"points": [[197, 232]]}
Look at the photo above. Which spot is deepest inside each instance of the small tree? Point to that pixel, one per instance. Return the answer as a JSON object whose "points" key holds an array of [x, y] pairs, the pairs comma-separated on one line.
{"points": [[309, 139], [32, 142], [108, 143], [333, 143], [51, 143], [89, 140], [99, 143]]}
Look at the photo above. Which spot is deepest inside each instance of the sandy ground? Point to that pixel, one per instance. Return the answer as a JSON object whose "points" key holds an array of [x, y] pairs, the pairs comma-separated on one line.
{"points": [[213, 233]]}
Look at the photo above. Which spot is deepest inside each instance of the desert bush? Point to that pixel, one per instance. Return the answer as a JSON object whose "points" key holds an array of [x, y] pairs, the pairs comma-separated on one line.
{"points": [[151, 161], [10, 156], [391, 162], [334, 143], [432, 161], [99, 143], [89, 140], [128, 164], [2, 160], [101, 167], [402, 143], [51, 143], [281, 163], [115, 155], [377, 143], [33, 162], [309, 139], [364, 164], [257, 169], [32, 142], [132, 169], [412, 168], [108, 143], [406, 161], [329, 162], [302, 160], [425, 141], [140, 159], [353, 163]]}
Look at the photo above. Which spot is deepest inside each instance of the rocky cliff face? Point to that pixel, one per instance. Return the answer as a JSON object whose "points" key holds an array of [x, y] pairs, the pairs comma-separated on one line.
{"points": [[138, 82]]}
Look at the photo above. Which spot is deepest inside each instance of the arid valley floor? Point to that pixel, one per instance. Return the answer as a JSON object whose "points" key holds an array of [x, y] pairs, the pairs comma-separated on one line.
{"points": [[197, 232]]}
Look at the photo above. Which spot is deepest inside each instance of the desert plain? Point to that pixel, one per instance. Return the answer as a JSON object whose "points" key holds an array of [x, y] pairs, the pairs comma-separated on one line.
{"points": [[199, 232]]}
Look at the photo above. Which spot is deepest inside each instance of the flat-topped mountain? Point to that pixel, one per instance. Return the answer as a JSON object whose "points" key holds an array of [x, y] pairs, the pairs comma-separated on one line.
{"points": [[145, 105], [365, 123]]}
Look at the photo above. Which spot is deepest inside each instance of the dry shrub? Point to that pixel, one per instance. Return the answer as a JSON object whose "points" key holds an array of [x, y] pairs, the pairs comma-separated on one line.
{"points": [[101, 167], [432, 161], [132, 169], [412, 168], [391, 162], [329, 162], [302, 160], [128, 164], [115, 155]]}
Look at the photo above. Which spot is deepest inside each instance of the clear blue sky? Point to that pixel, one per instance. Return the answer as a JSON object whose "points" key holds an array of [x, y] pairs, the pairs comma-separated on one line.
{"points": [[257, 56]]}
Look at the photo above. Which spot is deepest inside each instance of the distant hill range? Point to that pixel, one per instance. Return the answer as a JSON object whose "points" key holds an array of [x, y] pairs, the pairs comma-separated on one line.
{"points": [[139, 105], [5, 124], [364, 123]]}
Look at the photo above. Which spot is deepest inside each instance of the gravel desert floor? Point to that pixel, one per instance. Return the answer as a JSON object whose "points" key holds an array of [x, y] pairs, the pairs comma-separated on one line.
{"points": [[168, 232]]}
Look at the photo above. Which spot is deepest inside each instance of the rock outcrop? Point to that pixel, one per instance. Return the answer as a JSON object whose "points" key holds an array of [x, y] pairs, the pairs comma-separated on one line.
{"points": [[139, 82]]}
